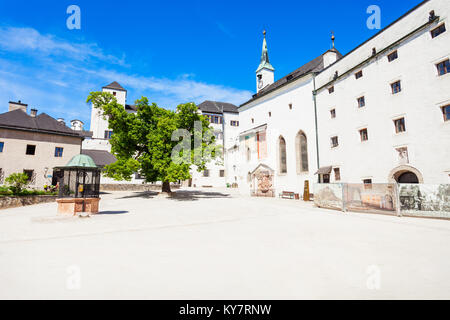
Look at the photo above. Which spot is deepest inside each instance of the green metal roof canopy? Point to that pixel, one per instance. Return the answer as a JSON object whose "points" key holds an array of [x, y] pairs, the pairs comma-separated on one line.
{"points": [[82, 160]]}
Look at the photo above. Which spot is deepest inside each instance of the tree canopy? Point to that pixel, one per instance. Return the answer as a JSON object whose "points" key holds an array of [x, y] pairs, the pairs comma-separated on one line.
{"points": [[159, 144]]}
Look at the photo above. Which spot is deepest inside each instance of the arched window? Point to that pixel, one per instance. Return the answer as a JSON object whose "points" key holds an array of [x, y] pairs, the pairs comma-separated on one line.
{"points": [[282, 155], [301, 145]]}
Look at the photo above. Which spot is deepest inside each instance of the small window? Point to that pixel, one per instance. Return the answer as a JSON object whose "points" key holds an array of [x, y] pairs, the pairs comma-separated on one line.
{"points": [[270, 114], [367, 183], [206, 173], [400, 125], [290, 106], [361, 102], [59, 152], [31, 150], [393, 56], [437, 31], [114, 93], [331, 90], [222, 173], [443, 67], [2, 144], [234, 123], [446, 112], [30, 175], [333, 113], [108, 134], [253, 120], [359, 74], [334, 142], [364, 135], [396, 87], [337, 174]]}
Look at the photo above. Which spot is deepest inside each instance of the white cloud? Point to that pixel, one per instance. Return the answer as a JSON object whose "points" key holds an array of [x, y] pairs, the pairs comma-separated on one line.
{"points": [[28, 40]]}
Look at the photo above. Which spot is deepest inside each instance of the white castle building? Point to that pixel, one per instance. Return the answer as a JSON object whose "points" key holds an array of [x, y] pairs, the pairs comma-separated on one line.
{"points": [[224, 119], [381, 113]]}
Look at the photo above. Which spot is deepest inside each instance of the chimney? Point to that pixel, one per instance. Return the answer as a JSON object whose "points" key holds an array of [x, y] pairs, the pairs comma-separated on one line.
{"points": [[61, 120], [33, 113], [17, 105]]}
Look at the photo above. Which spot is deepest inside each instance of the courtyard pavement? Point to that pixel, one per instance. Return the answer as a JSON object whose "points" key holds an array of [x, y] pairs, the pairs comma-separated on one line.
{"points": [[216, 244]]}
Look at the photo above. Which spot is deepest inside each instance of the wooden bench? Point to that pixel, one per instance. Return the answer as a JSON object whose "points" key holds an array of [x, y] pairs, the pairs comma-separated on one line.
{"points": [[288, 195]]}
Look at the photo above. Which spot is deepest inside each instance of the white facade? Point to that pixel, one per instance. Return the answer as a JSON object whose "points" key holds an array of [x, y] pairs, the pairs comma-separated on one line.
{"points": [[225, 171], [277, 114], [424, 148]]}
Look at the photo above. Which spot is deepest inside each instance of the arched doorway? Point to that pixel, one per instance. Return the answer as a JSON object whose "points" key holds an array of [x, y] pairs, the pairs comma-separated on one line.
{"points": [[408, 177], [405, 174]]}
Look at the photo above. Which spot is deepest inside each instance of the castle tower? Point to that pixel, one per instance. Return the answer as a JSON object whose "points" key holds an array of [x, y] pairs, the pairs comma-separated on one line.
{"points": [[265, 71]]}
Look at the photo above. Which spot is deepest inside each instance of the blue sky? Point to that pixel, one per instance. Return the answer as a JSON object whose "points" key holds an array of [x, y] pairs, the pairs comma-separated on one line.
{"points": [[170, 51]]}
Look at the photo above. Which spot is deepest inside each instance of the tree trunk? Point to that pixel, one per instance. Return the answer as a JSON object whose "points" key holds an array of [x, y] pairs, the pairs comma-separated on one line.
{"points": [[166, 187]]}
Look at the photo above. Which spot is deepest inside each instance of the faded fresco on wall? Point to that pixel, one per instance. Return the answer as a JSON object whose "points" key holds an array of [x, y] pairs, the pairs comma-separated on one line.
{"points": [[328, 195], [425, 200], [370, 197]]}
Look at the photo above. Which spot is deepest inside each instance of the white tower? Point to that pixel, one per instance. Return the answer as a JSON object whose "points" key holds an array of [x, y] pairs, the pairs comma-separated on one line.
{"points": [[265, 71], [99, 125]]}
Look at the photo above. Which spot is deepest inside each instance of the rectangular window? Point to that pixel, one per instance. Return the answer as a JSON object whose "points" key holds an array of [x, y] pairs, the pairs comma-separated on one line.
{"points": [[359, 74], [2, 144], [333, 113], [59, 152], [437, 31], [108, 134], [222, 173], [361, 102], [30, 175], [331, 90], [443, 67], [31, 150], [396, 87], [334, 142], [393, 56], [400, 125], [364, 135], [337, 174], [206, 173], [446, 112], [234, 123], [367, 183]]}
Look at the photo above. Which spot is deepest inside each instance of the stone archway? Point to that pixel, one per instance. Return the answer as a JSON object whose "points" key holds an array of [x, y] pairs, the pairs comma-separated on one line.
{"points": [[405, 174]]}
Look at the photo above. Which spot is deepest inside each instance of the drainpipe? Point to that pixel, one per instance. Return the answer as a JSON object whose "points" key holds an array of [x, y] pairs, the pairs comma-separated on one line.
{"points": [[315, 116]]}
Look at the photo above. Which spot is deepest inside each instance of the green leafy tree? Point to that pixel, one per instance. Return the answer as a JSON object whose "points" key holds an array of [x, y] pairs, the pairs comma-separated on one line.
{"points": [[17, 182], [144, 141]]}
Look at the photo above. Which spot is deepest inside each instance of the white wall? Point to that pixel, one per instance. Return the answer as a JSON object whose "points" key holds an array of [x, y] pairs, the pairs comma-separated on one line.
{"points": [[282, 122], [427, 136]]}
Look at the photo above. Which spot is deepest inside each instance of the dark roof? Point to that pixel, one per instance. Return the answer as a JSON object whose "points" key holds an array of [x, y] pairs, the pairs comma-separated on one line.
{"points": [[130, 107], [315, 65], [20, 120], [100, 157], [217, 107], [114, 85], [85, 133], [19, 103]]}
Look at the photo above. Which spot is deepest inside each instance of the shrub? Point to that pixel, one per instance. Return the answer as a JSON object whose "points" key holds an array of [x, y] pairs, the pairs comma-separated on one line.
{"points": [[17, 182]]}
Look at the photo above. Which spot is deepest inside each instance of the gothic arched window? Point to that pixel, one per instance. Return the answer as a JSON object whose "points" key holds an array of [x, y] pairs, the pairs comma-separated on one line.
{"points": [[282, 155], [301, 146]]}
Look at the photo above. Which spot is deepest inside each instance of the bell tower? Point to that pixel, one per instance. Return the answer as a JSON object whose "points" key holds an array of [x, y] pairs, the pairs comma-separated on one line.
{"points": [[265, 71]]}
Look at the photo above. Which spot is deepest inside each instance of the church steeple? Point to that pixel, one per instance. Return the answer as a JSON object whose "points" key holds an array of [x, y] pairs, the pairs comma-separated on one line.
{"points": [[265, 71], [265, 63]]}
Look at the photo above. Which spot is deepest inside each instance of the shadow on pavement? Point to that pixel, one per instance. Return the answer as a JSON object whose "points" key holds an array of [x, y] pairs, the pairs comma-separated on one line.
{"points": [[112, 212], [195, 195], [143, 194]]}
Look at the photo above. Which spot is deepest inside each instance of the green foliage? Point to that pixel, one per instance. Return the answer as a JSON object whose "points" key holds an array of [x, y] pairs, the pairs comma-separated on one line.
{"points": [[142, 142], [17, 182]]}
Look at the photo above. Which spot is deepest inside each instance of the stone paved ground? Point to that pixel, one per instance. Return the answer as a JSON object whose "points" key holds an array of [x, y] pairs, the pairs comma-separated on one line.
{"points": [[210, 244]]}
